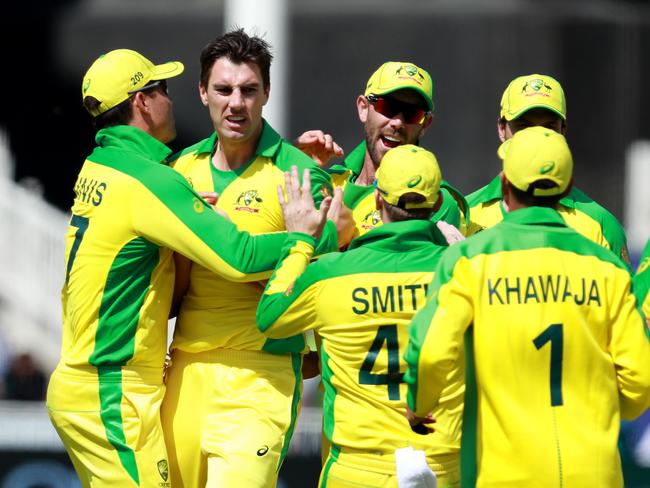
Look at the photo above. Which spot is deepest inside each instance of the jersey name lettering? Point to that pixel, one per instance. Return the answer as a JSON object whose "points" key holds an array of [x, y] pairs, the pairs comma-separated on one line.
{"points": [[542, 289], [389, 298], [89, 190]]}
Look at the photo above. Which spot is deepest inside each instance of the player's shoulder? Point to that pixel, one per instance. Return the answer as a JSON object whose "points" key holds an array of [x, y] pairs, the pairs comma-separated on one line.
{"points": [[485, 194], [191, 152], [589, 206]]}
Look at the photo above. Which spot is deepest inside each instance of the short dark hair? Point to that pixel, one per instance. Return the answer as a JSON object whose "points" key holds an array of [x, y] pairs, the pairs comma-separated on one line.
{"points": [[120, 114], [528, 199], [399, 212], [239, 48]]}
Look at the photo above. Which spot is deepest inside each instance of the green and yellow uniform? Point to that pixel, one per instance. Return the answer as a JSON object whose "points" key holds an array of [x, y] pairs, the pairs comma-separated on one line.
{"points": [[232, 367], [578, 210], [554, 342], [360, 303], [361, 200], [642, 283], [129, 214]]}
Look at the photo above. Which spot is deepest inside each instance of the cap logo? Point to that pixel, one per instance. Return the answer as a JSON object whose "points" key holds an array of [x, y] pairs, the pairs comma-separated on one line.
{"points": [[411, 71], [414, 181], [536, 85], [86, 85], [547, 168]]}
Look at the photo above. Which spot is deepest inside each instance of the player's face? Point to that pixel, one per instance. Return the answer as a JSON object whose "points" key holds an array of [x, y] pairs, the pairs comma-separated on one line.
{"points": [[384, 131], [162, 113], [235, 96], [534, 117]]}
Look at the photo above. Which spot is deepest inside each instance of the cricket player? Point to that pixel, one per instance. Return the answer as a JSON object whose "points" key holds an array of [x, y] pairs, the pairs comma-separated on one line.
{"points": [[360, 303], [130, 213], [233, 395], [553, 337], [395, 109], [538, 100]]}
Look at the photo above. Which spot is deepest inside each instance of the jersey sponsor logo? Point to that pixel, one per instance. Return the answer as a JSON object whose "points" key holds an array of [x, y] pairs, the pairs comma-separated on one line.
{"points": [[371, 220], [542, 289], [643, 265], [163, 469], [199, 206], [89, 190], [249, 201], [262, 450], [388, 298]]}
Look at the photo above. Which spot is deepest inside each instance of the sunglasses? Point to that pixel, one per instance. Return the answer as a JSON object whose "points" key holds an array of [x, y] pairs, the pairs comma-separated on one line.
{"points": [[162, 84], [389, 107]]}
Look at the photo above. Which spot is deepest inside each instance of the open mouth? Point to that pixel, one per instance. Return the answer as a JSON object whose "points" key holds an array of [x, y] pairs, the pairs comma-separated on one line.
{"points": [[390, 142]]}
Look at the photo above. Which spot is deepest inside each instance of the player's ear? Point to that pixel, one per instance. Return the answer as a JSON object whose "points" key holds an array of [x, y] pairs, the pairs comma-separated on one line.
{"points": [[267, 93], [501, 128], [362, 108], [379, 202], [203, 93]]}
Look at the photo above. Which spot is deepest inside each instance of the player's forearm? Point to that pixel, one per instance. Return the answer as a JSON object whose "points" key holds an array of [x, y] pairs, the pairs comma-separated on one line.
{"points": [[286, 301]]}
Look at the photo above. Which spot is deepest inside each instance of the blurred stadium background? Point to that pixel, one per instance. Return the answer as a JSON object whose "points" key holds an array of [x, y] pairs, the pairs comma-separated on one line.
{"points": [[325, 50]]}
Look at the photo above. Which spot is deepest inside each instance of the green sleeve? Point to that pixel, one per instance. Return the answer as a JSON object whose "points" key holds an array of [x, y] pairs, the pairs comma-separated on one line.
{"points": [[288, 304], [172, 215]]}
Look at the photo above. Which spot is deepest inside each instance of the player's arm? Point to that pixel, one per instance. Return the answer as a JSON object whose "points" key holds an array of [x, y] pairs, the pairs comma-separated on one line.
{"points": [[630, 350], [288, 304], [642, 284], [436, 335], [170, 214]]}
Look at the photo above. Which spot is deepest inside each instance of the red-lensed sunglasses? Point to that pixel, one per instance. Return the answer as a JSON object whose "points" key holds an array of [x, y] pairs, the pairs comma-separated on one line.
{"points": [[389, 107]]}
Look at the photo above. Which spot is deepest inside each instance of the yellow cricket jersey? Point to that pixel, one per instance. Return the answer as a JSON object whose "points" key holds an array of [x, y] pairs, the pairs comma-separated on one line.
{"points": [[130, 212], [360, 303], [557, 353], [361, 199], [642, 283], [578, 210], [216, 313]]}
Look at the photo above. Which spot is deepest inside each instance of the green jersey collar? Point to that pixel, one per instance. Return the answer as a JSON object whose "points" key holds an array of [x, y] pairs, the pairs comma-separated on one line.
{"points": [[132, 139], [401, 236], [268, 146], [535, 216]]}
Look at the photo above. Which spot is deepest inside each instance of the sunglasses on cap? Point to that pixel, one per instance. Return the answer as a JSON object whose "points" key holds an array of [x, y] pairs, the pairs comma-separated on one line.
{"points": [[389, 107], [162, 84]]}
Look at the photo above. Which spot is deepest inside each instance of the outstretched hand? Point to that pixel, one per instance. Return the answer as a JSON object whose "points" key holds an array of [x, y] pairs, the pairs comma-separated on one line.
{"points": [[300, 213], [318, 146]]}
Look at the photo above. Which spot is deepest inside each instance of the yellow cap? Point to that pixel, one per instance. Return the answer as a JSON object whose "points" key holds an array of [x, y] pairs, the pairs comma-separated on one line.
{"points": [[113, 75], [534, 154], [532, 91], [397, 75], [409, 169]]}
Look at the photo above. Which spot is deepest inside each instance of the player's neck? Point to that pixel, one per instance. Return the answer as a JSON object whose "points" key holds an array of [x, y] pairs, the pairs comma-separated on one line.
{"points": [[232, 155], [367, 175]]}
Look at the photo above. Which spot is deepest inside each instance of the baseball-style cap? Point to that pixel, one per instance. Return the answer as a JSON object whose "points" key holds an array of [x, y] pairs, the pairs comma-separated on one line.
{"points": [[409, 169], [534, 154], [114, 74], [532, 91], [397, 75]]}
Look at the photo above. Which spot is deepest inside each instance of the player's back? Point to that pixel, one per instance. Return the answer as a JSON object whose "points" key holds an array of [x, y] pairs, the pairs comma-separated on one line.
{"points": [[365, 304], [546, 344]]}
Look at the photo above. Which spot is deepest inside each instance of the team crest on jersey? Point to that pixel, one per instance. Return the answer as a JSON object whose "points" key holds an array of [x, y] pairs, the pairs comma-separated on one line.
{"points": [[249, 201], [371, 220], [163, 469], [643, 265]]}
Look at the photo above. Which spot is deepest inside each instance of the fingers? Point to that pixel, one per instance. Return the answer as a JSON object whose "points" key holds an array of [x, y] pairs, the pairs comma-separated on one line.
{"points": [[306, 181], [310, 137], [325, 206], [209, 196]]}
